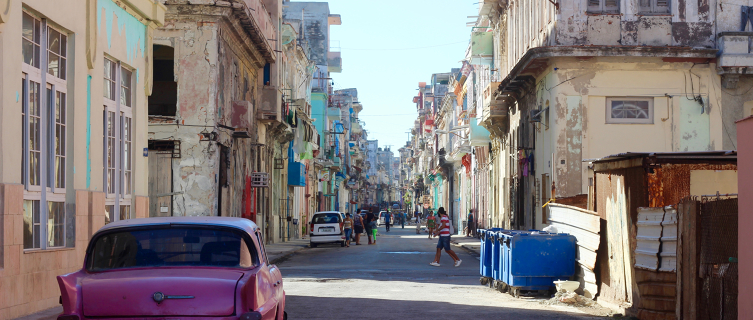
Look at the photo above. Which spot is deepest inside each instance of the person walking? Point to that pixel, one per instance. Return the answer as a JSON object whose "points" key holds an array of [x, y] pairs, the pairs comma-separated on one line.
{"points": [[418, 223], [387, 220], [368, 225], [443, 229], [358, 227], [402, 220], [348, 228], [430, 223], [471, 226]]}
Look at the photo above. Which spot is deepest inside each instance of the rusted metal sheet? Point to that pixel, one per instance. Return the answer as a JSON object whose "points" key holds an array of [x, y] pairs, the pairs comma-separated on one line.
{"points": [[585, 226], [671, 182]]}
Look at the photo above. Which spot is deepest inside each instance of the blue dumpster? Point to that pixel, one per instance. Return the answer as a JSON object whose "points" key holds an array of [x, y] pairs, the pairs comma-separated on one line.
{"points": [[532, 260], [496, 255], [487, 241]]}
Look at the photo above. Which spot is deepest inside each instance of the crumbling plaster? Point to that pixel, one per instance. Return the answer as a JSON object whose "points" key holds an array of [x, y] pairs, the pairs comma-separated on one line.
{"points": [[578, 92], [212, 48]]}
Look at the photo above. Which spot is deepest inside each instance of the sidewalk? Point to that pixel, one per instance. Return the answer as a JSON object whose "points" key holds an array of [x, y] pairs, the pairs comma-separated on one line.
{"points": [[276, 252], [472, 245]]}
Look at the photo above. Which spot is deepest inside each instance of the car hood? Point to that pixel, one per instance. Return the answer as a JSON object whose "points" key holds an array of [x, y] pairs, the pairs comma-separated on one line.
{"points": [[131, 293]]}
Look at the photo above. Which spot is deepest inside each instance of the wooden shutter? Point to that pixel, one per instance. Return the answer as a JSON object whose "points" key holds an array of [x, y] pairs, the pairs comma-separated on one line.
{"points": [[661, 6], [645, 6], [612, 6], [594, 5]]}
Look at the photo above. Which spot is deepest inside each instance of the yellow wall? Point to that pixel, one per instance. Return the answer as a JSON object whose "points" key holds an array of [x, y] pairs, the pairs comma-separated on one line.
{"points": [[28, 277]]}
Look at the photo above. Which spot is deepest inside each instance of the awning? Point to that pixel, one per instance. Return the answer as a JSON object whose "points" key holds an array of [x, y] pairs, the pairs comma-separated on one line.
{"points": [[479, 135]]}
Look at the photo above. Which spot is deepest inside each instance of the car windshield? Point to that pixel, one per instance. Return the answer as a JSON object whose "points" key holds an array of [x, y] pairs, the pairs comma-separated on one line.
{"points": [[326, 218], [172, 246]]}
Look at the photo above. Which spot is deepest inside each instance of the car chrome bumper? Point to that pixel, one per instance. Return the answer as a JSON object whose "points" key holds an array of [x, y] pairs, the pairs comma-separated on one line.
{"points": [[326, 238]]}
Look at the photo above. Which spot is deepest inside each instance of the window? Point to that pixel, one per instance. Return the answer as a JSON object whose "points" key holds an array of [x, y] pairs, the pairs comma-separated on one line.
{"points": [[654, 6], [118, 140], [604, 6], [44, 132], [171, 246], [164, 98], [630, 110]]}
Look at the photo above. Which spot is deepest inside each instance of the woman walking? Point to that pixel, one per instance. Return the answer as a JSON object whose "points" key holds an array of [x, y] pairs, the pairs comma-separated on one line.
{"points": [[348, 227], [358, 227]]}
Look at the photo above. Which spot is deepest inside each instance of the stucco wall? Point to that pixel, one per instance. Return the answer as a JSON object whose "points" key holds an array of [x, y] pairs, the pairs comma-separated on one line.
{"points": [[577, 93], [210, 44], [27, 277]]}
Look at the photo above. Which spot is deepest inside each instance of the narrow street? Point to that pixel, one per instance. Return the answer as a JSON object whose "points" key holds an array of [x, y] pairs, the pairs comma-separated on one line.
{"points": [[393, 280]]}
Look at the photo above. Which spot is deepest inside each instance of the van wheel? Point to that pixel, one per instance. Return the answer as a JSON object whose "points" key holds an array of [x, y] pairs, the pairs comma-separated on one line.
{"points": [[311, 244], [342, 243]]}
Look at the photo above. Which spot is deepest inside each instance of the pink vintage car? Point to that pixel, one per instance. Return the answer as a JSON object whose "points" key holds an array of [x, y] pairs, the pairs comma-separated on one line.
{"points": [[175, 268]]}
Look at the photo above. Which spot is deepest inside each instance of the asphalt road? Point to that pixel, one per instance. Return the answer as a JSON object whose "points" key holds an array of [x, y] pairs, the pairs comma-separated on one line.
{"points": [[393, 280]]}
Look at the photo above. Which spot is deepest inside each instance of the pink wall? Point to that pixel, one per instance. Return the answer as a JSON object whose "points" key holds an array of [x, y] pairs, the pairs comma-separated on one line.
{"points": [[745, 216]]}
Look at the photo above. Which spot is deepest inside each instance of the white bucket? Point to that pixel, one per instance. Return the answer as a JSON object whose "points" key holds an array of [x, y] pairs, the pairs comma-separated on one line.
{"points": [[568, 286]]}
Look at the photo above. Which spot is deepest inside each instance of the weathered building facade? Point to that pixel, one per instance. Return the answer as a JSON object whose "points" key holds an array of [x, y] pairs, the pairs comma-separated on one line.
{"points": [[83, 80], [648, 80], [315, 21], [209, 137]]}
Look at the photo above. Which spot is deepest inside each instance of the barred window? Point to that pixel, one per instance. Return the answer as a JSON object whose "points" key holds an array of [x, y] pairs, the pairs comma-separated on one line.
{"points": [[630, 110]]}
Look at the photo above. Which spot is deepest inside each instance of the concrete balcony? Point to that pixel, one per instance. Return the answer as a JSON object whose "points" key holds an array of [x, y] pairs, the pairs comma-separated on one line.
{"points": [[736, 50], [736, 56], [493, 107]]}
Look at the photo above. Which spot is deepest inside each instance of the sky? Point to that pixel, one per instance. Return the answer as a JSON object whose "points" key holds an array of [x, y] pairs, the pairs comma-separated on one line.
{"points": [[388, 47]]}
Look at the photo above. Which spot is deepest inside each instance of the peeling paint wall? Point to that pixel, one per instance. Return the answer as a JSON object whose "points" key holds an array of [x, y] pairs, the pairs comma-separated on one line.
{"points": [[217, 68], [316, 27], [577, 93], [694, 126], [688, 24], [128, 28]]}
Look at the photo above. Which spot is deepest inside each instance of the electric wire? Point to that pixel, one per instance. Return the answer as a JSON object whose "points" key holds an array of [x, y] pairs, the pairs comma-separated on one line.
{"points": [[399, 49]]}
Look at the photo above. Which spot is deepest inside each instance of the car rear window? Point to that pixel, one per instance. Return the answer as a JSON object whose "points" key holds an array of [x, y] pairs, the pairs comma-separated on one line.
{"points": [[326, 218], [172, 246]]}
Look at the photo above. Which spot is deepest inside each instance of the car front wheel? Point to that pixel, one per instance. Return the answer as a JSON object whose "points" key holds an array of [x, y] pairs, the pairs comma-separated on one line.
{"points": [[342, 243]]}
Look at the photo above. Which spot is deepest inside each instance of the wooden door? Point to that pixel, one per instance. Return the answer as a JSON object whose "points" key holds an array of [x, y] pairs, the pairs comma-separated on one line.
{"points": [[160, 184]]}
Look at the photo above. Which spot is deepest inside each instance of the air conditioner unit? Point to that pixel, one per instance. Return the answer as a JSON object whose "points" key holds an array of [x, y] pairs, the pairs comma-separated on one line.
{"points": [[259, 180]]}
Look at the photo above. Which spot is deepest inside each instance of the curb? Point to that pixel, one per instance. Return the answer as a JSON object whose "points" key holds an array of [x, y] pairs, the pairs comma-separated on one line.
{"points": [[469, 250], [286, 255]]}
